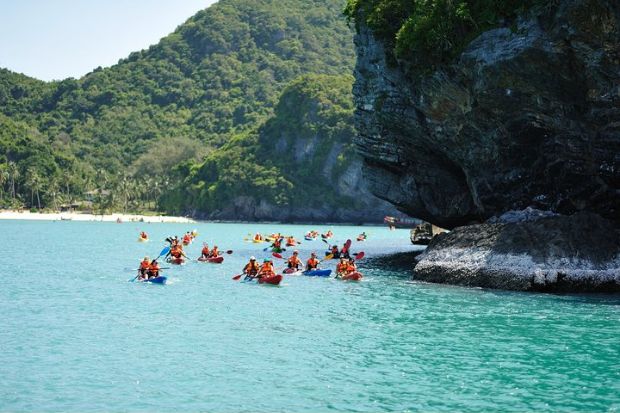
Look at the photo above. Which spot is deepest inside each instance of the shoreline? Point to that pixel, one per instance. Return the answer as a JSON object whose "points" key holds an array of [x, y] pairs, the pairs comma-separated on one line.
{"points": [[76, 216], [84, 217]]}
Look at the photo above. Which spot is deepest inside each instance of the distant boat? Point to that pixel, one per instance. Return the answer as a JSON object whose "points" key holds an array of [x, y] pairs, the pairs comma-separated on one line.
{"points": [[65, 218]]}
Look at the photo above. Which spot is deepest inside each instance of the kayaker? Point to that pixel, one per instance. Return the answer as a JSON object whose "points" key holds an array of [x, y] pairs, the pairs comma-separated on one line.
{"points": [[205, 251], [277, 245], [153, 271], [352, 266], [143, 235], [187, 238], [251, 268], [258, 237], [342, 268], [334, 251], [294, 261], [144, 267], [215, 252], [177, 252], [266, 270], [344, 252], [312, 263]]}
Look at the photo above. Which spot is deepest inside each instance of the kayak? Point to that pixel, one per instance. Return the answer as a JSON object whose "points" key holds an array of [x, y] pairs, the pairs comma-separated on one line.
{"points": [[354, 276], [274, 280], [291, 271], [257, 241], [157, 280], [278, 250], [317, 273], [177, 261], [140, 239], [291, 244], [308, 238], [213, 260], [361, 239]]}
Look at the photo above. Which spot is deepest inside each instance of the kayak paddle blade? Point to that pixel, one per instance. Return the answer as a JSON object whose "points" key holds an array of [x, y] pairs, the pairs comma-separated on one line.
{"points": [[359, 255], [275, 254], [237, 277]]}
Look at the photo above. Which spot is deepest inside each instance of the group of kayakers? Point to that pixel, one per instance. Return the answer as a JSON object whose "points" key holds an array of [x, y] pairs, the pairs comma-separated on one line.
{"points": [[206, 253], [253, 270]]}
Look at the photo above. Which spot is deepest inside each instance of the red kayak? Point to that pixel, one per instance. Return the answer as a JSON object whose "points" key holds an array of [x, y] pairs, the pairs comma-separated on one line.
{"points": [[213, 260], [291, 271], [354, 276], [274, 280], [177, 261]]}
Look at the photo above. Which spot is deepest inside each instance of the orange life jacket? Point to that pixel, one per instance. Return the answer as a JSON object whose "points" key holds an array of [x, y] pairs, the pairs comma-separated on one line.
{"points": [[154, 269], [251, 268], [294, 261], [342, 267], [205, 251], [313, 263], [144, 265], [215, 252], [266, 270]]}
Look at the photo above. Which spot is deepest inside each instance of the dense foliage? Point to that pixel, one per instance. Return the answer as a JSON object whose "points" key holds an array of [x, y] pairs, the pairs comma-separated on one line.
{"points": [[427, 33], [218, 76], [287, 160]]}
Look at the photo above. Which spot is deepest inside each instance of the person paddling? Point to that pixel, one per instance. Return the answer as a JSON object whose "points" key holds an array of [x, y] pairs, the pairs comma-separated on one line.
{"points": [[277, 245], [334, 251], [342, 268], [144, 267], [205, 251], [251, 269], [312, 263], [215, 252], [294, 261], [266, 270], [154, 269]]}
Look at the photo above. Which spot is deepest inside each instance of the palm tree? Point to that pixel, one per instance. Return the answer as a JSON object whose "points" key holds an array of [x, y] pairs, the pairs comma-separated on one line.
{"points": [[33, 180], [4, 177], [14, 172]]}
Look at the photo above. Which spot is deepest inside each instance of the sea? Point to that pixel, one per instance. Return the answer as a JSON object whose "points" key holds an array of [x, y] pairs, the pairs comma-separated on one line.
{"points": [[76, 335]]}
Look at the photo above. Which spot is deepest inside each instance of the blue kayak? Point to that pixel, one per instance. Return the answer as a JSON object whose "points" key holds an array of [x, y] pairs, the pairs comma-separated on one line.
{"points": [[157, 280], [317, 273]]}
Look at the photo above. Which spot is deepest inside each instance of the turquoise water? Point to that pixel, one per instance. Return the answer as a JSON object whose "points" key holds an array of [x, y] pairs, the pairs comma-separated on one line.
{"points": [[77, 337]]}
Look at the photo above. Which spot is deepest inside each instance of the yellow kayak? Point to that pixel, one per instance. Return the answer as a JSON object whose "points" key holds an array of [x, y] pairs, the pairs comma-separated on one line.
{"points": [[257, 241], [140, 239]]}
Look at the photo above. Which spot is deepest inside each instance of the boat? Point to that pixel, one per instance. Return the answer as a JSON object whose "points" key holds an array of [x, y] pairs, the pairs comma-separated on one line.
{"points": [[360, 238], [177, 261], [257, 241], [309, 238], [354, 276], [273, 280], [317, 273], [292, 271], [157, 280], [140, 239], [212, 260]]}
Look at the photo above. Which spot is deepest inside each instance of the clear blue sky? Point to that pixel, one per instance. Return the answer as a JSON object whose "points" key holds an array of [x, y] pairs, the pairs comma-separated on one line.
{"points": [[56, 39]]}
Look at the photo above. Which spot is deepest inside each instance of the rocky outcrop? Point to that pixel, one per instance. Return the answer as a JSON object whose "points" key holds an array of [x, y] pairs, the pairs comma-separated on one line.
{"points": [[528, 115], [579, 253]]}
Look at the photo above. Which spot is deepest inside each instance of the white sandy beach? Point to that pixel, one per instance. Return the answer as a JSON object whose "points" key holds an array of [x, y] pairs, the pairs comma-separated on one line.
{"points": [[76, 216]]}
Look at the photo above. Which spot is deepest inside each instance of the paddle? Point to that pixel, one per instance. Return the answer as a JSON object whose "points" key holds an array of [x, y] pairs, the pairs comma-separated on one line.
{"points": [[163, 252], [236, 277], [359, 255], [275, 254]]}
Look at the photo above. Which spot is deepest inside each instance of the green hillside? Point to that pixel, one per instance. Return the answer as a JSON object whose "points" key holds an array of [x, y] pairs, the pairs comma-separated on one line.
{"points": [[214, 82]]}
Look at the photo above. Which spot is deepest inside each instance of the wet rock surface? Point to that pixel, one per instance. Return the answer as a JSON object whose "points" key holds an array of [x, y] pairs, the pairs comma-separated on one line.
{"points": [[578, 253]]}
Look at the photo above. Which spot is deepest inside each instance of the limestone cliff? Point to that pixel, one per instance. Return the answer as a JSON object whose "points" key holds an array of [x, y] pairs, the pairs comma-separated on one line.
{"points": [[526, 116]]}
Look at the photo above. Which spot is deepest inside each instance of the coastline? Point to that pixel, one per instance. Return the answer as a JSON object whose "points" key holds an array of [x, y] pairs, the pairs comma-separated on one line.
{"points": [[75, 216]]}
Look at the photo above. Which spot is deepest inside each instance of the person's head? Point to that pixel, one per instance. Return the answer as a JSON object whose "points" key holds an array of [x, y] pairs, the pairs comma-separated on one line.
{"points": [[295, 253], [266, 260], [313, 255], [146, 259], [351, 260], [215, 247], [154, 262], [343, 259]]}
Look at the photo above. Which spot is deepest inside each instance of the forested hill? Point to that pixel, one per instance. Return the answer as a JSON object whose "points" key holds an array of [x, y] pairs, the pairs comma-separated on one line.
{"points": [[123, 128]]}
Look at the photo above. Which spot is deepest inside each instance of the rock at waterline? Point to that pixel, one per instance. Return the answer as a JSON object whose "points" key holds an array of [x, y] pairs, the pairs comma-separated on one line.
{"points": [[578, 253]]}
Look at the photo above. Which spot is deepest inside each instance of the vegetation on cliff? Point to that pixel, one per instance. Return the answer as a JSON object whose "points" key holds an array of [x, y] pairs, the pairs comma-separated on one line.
{"points": [[295, 158], [427, 33], [118, 132]]}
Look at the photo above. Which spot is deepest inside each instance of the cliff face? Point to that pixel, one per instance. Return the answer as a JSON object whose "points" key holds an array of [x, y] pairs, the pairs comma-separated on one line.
{"points": [[526, 116]]}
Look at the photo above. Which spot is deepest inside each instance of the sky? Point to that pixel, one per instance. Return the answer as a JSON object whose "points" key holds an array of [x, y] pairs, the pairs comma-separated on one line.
{"points": [[56, 39]]}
